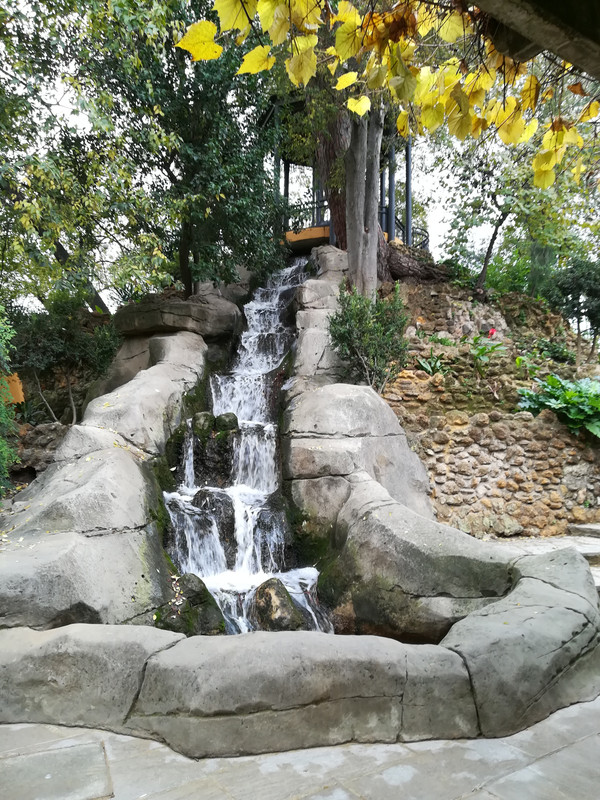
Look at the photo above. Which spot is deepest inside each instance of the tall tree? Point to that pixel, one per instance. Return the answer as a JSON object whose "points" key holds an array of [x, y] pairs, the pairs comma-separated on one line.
{"points": [[147, 167], [434, 60]]}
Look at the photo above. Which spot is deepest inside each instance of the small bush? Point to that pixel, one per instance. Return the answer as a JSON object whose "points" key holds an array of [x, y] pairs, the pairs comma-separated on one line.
{"points": [[7, 424], [575, 403], [369, 336]]}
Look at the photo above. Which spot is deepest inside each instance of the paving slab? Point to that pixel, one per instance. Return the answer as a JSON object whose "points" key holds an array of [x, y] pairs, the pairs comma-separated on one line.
{"points": [[557, 759], [79, 772]]}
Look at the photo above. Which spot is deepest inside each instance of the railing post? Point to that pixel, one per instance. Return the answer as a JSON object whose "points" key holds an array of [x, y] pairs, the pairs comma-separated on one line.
{"points": [[382, 208]]}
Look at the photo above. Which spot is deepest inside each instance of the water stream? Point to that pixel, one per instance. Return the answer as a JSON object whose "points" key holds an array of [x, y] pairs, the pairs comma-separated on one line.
{"points": [[233, 570]]}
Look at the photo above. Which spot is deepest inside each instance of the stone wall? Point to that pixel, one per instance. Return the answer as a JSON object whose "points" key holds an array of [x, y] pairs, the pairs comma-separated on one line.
{"points": [[499, 473]]}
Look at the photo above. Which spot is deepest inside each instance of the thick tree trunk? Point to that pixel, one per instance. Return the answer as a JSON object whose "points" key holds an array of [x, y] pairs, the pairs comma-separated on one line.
{"points": [[331, 146], [185, 245], [362, 200], [481, 279]]}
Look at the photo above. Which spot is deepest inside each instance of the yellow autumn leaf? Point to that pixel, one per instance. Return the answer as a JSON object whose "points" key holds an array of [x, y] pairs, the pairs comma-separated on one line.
{"points": [[376, 77], [257, 60], [485, 79], [302, 66], [266, 12], [546, 159], [590, 111], [280, 26], [235, 14], [530, 129], [478, 125], [349, 38], [243, 35], [425, 81], [306, 14], [544, 178], [346, 80], [199, 41], [460, 125], [333, 61], [402, 124], [572, 136], [359, 105], [345, 12], [512, 130], [454, 27], [427, 19], [578, 169], [530, 93], [553, 139], [432, 117]]}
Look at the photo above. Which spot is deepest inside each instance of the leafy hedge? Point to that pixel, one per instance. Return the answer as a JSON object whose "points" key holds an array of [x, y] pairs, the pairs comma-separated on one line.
{"points": [[7, 425], [576, 403]]}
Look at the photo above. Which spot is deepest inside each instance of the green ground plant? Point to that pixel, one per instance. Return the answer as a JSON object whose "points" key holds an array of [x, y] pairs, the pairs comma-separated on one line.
{"points": [[482, 349], [432, 364], [369, 336], [575, 403]]}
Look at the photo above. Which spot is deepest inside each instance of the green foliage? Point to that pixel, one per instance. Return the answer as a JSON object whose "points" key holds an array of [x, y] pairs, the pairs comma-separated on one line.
{"points": [[481, 350], [443, 340], [575, 403], [529, 368], [432, 363], [555, 350], [369, 336], [58, 341], [7, 425]]}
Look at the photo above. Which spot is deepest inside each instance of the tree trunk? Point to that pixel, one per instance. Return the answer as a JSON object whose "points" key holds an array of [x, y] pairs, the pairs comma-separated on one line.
{"points": [[362, 200], [480, 285], [331, 146], [185, 244]]}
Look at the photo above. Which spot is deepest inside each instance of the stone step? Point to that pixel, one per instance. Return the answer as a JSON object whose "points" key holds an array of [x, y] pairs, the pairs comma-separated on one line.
{"points": [[587, 545], [588, 529]]}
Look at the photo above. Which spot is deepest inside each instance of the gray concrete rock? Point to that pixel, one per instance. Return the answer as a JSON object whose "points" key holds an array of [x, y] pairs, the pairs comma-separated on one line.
{"points": [[132, 357], [531, 652], [404, 575], [339, 429], [78, 675], [314, 354], [91, 494], [298, 688], [318, 294], [313, 318], [209, 314], [332, 263], [48, 580], [147, 409], [590, 529]]}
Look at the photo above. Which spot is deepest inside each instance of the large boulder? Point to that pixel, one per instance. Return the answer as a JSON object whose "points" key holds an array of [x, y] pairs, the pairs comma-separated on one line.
{"points": [[276, 691], [399, 574], [208, 314], [147, 409], [274, 610], [78, 675], [337, 430], [536, 649]]}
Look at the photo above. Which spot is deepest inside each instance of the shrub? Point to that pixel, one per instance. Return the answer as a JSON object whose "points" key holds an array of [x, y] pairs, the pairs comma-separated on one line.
{"points": [[7, 425], [575, 403], [369, 336], [55, 342]]}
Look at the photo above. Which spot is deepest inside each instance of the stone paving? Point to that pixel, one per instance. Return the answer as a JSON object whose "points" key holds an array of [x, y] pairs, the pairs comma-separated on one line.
{"points": [[557, 759]]}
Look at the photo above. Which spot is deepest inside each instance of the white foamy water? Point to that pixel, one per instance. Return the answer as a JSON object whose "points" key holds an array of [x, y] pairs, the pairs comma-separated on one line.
{"points": [[259, 526]]}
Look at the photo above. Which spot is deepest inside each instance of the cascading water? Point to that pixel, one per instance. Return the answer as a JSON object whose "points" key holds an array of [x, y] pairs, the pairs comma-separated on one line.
{"points": [[259, 526]]}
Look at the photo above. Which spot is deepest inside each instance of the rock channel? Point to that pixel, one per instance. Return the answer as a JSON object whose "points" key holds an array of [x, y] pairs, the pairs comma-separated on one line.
{"points": [[511, 638]]}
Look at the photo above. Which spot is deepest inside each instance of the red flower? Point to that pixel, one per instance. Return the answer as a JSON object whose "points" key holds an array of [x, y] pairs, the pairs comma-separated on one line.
{"points": [[491, 332]]}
